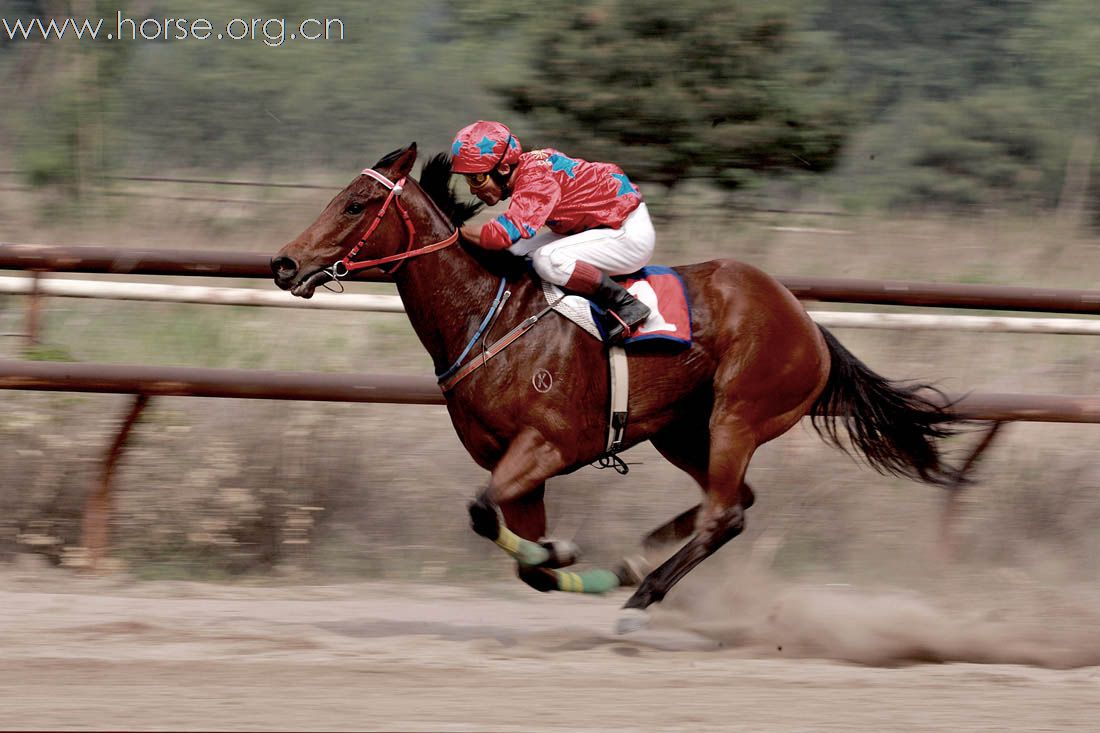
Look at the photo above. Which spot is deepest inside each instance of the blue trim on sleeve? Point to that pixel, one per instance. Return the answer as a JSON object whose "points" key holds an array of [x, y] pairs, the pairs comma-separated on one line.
{"points": [[509, 227]]}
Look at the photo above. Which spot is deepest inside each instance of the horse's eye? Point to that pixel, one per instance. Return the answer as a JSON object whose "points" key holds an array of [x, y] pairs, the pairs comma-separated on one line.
{"points": [[355, 207]]}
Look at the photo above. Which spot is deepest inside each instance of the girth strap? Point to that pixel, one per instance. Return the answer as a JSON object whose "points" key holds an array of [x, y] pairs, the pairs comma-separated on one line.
{"points": [[620, 396]]}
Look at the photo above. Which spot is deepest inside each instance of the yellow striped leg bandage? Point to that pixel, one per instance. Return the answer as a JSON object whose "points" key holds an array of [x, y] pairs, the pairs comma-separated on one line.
{"points": [[586, 581], [524, 551]]}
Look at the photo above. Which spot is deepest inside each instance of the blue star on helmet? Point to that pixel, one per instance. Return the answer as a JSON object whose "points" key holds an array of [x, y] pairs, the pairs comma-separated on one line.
{"points": [[559, 162], [486, 146], [456, 147], [625, 187]]}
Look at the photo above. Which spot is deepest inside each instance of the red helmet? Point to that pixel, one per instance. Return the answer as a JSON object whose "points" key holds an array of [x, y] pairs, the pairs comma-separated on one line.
{"points": [[482, 146]]}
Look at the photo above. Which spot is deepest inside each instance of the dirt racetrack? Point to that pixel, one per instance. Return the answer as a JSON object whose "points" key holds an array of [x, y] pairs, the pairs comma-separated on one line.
{"points": [[99, 653]]}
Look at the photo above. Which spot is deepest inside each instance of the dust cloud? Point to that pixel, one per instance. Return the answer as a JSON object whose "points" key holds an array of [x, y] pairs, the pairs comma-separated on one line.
{"points": [[998, 619]]}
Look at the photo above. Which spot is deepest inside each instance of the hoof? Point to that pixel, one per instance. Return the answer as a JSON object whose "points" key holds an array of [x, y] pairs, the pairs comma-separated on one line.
{"points": [[540, 579], [563, 553], [484, 520], [632, 570], [631, 620]]}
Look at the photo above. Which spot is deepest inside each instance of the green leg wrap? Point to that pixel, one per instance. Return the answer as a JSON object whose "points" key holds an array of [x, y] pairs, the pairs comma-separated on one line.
{"points": [[524, 551], [586, 581]]}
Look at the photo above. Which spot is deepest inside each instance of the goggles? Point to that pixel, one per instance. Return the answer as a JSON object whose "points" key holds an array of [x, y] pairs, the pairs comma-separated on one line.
{"points": [[476, 180]]}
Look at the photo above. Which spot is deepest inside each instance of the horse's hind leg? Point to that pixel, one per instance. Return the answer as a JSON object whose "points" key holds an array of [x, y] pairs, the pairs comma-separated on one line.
{"points": [[677, 529], [732, 444], [686, 445]]}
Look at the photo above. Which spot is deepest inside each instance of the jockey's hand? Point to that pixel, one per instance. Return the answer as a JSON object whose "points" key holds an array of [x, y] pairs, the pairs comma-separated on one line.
{"points": [[472, 233]]}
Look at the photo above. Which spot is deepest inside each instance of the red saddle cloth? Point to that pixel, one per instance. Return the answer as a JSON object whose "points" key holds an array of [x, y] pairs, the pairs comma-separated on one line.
{"points": [[662, 289]]}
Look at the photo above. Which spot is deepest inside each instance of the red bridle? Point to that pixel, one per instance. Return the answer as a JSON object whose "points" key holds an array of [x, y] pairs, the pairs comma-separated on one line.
{"points": [[347, 265]]}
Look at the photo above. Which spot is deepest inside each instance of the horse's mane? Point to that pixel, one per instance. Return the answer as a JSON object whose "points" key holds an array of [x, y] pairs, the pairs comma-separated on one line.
{"points": [[435, 179]]}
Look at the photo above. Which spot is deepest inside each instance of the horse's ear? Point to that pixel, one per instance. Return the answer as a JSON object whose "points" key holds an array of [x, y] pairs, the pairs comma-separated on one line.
{"points": [[403, 165], [399, 162]]}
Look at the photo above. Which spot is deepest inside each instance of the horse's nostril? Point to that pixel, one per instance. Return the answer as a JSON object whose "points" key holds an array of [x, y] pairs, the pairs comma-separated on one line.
{"points": [[283, 268]]}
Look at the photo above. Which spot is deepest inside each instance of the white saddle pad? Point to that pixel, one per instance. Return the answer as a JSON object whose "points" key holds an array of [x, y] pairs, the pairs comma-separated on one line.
{"points": [[574, 307]]}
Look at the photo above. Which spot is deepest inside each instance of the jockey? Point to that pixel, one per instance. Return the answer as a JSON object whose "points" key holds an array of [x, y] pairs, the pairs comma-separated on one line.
{"points": [[598, 223]]}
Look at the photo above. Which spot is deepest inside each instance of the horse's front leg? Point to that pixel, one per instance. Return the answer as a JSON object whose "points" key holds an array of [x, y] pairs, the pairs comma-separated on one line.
{"points": [[524, 526], [516, 484], [511, 513]]}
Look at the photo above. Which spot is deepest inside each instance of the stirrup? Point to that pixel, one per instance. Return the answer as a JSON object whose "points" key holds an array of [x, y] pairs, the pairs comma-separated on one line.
{"points": [[621, 332]]}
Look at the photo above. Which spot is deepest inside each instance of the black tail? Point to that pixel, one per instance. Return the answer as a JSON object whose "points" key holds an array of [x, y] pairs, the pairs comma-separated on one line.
{"points": [[894, 426]]}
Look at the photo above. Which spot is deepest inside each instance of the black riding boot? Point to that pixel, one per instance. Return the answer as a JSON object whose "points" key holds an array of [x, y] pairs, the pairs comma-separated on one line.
{"points": [[624, 311]]}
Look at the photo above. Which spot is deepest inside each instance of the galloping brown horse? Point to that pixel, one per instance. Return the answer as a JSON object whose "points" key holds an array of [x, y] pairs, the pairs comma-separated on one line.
{"points": [[757, 365]]}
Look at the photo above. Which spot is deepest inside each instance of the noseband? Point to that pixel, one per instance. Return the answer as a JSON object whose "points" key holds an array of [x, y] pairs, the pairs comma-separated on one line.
{"points": [[348, 265]]}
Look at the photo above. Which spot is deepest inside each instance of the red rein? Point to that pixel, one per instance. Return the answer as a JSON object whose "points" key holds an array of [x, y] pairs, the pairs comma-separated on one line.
{"points": [[347, 265]]}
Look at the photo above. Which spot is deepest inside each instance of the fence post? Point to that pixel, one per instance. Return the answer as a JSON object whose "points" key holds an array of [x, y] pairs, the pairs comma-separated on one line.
{"points": [[34, 310], [97, 507], [951, 502]]}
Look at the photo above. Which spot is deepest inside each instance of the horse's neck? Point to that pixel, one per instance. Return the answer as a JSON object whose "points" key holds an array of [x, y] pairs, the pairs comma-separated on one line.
{"points": [[446, 294]]}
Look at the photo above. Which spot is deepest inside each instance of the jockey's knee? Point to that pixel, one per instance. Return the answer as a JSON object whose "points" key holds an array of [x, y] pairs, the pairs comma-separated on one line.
{"points": [[553, 267]]}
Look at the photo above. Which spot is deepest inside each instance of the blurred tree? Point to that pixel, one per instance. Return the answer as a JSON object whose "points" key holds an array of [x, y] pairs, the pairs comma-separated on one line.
{"points": [[702, 88], [297, 105], [60, 95], [897, 50], [991, 149], [962, 98], [935, 102], [78, 108], [1058, 48]]}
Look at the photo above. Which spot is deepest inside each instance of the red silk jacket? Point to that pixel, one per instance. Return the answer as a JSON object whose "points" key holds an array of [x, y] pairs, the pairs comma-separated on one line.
{"points": [[568, 195]]}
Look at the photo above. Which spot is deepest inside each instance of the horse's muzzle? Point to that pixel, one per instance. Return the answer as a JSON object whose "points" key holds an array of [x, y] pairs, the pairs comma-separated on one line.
{"points": [[285, 270], [289, 276]]}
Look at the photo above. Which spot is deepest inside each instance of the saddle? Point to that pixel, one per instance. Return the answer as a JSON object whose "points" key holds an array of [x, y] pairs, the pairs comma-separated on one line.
{"points": [[660, 288]]}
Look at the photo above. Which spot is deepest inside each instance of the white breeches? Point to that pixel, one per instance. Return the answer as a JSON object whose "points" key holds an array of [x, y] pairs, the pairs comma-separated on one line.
{"points": [[615, 251]]}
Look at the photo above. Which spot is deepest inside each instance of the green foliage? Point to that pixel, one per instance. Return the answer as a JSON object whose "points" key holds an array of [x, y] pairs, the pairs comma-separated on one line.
{"points": [[934, 49], [45, 352], [960, 102], [49, 153], [1057, 51], [990, 150], [97, 107], [970, 102], [316, 104], [705, 88]]}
